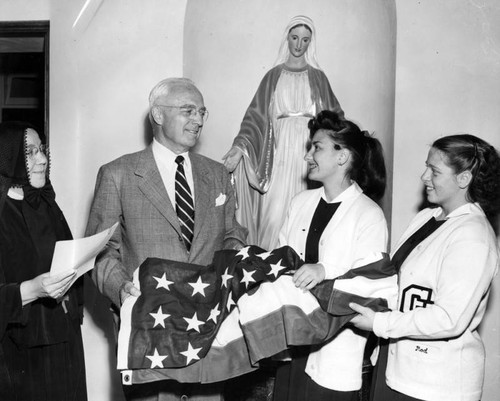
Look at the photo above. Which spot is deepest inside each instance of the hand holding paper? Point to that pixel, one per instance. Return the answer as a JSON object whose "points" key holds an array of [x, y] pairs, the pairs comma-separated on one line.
{"points": [[46, 285], [79, 254]]}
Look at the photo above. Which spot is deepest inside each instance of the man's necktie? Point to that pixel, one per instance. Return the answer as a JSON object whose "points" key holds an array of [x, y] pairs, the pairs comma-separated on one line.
{"points": [[184, 203]]}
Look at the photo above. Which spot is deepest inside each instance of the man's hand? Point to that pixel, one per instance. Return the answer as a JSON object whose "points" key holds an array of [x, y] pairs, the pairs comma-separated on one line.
{"points": [[308, 276], [127, 290]]}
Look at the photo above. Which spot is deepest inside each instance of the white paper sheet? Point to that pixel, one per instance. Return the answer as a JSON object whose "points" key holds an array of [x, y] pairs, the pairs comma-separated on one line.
{"points": [[79, 254]]}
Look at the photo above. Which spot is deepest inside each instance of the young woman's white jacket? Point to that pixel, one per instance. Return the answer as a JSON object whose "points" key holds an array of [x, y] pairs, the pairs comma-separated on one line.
{"points": [[356, 232], [443, 291]]}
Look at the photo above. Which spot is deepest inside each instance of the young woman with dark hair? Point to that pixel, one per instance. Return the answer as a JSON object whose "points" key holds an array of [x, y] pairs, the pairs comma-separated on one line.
{"points": [[446, 259], [334, 228]]}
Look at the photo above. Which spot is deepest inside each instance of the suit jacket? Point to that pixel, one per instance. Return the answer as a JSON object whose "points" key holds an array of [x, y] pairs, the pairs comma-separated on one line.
{"points": [[355, 235], [130, 190]]}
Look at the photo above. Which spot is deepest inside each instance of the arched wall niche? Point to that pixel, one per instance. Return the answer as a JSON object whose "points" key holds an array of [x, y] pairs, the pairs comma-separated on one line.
{"points": [[229, 45]]}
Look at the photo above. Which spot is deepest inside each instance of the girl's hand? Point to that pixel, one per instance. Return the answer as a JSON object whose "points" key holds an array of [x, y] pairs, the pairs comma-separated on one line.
{"points": [[364, 320], [309, 275]]}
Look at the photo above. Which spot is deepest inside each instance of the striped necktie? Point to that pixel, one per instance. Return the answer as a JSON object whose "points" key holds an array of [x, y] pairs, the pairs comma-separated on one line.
{"points": [[184, 203]]}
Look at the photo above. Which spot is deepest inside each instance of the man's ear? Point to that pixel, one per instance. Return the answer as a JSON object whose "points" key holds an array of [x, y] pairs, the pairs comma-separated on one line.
{"points": [[464, 179], [157, 115]]}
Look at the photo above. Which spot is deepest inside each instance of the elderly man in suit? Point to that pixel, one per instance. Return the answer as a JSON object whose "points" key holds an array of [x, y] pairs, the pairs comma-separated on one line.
{"points": [[156, 195]]}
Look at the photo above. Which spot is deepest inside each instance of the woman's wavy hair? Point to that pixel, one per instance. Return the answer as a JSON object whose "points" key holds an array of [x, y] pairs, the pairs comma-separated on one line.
{"points": [[367, 166], [467, 152]]}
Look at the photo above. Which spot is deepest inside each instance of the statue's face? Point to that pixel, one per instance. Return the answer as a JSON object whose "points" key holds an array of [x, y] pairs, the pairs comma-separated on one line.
{"points": [[299, 39]]}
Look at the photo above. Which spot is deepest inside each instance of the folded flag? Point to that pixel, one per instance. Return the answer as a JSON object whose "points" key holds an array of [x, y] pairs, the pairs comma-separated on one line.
{"points": [[210, 323]]}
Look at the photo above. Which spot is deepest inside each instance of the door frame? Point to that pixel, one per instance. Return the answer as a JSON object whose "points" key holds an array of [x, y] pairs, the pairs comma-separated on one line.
{"points": [[34, 29]]}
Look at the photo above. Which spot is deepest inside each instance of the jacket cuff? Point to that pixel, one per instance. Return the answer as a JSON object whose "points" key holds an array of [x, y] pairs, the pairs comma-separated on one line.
{"points": [[12, 300], [331, 272], [380, 324], [233, 243]]}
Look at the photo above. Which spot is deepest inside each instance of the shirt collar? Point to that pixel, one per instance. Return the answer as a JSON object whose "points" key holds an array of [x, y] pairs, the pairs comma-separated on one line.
{"points": [[166, 155], [14, 195], [468, 208], [352, 191]]}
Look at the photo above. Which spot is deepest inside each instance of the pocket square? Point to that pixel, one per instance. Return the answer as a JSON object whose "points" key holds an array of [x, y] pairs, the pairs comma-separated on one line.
{"points": [[221, 199]]}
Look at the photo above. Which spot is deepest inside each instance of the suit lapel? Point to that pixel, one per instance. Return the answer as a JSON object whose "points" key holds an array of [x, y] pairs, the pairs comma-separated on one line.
{"points": [[202, 186], [151, 185]]}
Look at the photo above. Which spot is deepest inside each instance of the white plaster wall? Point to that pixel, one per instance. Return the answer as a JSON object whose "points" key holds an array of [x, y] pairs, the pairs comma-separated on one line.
{"points": [[231, 44], [448, 81], [23, 10]]}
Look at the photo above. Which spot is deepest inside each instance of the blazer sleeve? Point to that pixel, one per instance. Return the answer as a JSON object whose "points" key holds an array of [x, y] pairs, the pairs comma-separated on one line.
{"points": [[109, 274], [285, 227], [463, 278]]}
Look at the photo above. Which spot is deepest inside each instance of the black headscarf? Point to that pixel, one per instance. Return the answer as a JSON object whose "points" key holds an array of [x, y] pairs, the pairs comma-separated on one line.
{"points": [[13, 162], [46, 225]]}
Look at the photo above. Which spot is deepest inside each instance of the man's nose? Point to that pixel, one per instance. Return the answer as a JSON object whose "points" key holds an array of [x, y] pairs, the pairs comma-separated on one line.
{"points": [[198, 118]]}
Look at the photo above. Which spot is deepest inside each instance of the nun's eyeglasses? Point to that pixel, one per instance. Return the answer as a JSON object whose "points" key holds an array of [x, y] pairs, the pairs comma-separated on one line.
{"points": [[32, 151]]}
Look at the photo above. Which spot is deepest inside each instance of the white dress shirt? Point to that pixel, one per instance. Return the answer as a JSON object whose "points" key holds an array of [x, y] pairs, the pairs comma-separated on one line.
{"points": [[165, 160]]}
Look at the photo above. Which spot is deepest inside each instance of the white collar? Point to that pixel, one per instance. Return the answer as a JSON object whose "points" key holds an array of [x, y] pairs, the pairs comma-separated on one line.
{"points": [[11, 193], [352, 191], [468, 208], [165, 154]]}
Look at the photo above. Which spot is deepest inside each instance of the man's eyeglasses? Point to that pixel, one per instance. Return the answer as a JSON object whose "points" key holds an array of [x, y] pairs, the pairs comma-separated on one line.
{"points": [[32, 151], [189, 111]]}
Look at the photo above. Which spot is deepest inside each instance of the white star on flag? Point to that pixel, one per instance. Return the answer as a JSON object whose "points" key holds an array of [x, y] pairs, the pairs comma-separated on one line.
{"points": [[276, 268], [265, 255], [230, 302], [193, 323], [198, 287], [191, 353], [163, 282], [156, 359], [243, 252], [225, 277], [247, 277], [159, 317], [214, 313]]}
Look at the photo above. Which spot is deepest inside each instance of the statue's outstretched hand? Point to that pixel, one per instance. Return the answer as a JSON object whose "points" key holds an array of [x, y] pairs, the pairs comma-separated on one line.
{"points": [[232, 158]]}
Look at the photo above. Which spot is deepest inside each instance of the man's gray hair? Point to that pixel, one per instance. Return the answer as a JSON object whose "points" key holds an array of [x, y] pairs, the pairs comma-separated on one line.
{"points": [[163, 87]]}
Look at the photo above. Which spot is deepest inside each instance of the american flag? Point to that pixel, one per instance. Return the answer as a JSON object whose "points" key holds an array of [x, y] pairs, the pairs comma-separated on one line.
{"points": [[205, 324]]}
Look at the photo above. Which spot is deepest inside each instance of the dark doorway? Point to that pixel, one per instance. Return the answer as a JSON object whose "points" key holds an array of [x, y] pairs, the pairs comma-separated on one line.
{"points": [[24, 72]]}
